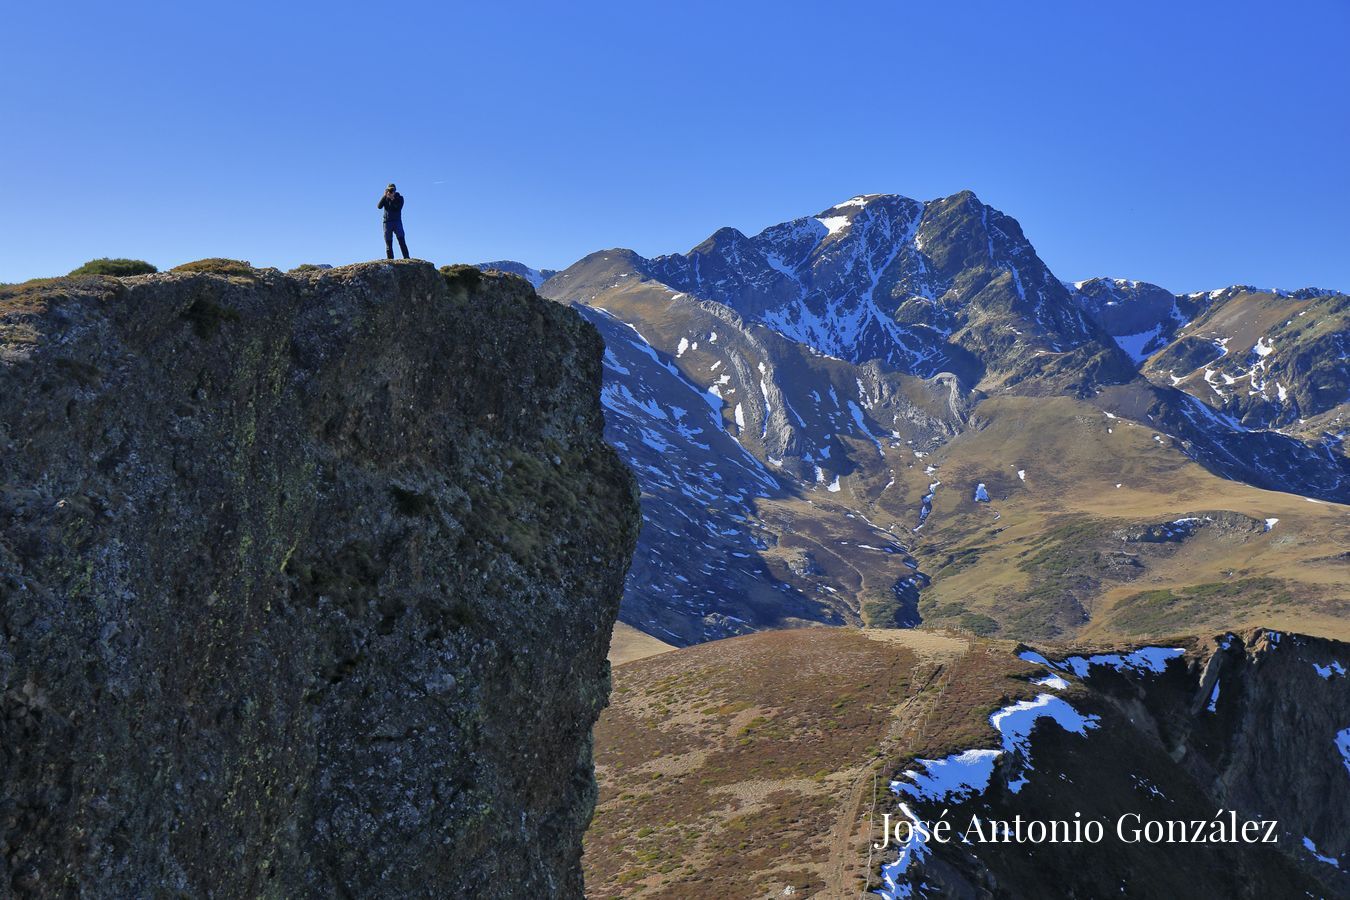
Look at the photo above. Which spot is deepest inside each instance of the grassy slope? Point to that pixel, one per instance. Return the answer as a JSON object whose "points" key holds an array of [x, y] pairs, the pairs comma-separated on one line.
{"points": [[1046, 558], [745, 766], [628, 644], [1055, 528]]}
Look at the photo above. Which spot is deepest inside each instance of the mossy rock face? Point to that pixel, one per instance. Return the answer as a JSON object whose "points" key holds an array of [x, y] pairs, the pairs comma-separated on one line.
{"points": [[217, 265], [117, 267], [307, 584]]}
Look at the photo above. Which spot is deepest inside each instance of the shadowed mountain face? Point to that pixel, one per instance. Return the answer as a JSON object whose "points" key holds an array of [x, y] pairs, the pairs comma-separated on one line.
{"points": [[1265, 359], [946, 286], [793, 398]]}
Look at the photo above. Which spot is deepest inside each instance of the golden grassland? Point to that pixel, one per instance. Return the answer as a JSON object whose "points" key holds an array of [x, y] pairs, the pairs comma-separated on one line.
{"points": [[750, 765], [1046, 558], [628, 644]]}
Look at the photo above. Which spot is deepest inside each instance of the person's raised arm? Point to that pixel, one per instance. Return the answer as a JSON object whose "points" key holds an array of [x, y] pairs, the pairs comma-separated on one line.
{"points": [[380, 205]]}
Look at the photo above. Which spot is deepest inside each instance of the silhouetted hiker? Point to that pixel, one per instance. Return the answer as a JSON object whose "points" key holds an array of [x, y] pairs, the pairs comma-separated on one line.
{"points": [[392, 204]]}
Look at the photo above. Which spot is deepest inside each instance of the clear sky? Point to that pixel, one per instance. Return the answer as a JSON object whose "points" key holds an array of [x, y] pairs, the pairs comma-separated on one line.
{"points": [[1195, 144]]}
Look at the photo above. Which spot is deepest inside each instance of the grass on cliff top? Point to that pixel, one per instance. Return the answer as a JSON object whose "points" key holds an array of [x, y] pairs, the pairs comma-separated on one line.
{"points": [[117, 267], [217, 265], [462, 276]]}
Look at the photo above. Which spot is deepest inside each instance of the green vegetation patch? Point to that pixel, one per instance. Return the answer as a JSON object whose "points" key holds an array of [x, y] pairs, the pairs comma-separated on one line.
{"points": [[120, 268], [462, 276], [1062, 550], [217, 265], [1173, 609]]}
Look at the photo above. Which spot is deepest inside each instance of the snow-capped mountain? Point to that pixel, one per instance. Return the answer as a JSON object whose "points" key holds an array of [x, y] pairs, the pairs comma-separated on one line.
{"points": [[950, 285], [1266, 359], [806, 408]]}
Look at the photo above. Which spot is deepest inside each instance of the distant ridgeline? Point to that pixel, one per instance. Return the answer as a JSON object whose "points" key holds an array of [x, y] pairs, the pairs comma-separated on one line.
{"points": [[812, 410], [307, 583]]}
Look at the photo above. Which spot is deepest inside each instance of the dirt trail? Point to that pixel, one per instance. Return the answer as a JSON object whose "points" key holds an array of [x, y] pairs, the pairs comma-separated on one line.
{"points": [[849, 857]]}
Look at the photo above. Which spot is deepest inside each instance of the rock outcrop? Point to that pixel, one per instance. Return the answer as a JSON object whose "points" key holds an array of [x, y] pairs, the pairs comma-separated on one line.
{"points": [[306, 584], [1250, 727]]}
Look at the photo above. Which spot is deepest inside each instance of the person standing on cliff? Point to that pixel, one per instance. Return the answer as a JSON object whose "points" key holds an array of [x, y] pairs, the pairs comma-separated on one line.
{"points": [[392, 204]]}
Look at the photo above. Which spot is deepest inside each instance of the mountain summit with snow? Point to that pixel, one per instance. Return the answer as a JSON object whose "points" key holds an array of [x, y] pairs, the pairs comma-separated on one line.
{"points": [[950, 285], [871, 413]]}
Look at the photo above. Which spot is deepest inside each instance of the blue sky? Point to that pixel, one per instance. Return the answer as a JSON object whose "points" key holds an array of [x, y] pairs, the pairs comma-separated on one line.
{"points": [[1192, 144]]}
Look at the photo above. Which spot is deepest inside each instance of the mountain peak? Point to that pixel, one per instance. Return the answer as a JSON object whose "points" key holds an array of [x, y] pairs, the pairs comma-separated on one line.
{"points": [[838, 217], [859, 202]]}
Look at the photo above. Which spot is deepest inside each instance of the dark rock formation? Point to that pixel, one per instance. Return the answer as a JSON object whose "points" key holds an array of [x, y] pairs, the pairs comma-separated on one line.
{"points": [[1255, 726], [306, 584]]}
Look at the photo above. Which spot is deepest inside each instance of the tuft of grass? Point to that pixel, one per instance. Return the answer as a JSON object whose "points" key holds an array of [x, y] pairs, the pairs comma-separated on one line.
{"points": [[217, 265], [462, 275], [120, 268]]}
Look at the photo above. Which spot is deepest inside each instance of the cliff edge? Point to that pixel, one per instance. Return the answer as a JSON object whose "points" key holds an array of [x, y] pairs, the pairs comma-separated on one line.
{"points": [[306, 584]]}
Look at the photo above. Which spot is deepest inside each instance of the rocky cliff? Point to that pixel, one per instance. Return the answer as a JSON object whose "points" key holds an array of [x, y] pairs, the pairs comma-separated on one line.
{"points": [[306, 584], [1249, 727]]}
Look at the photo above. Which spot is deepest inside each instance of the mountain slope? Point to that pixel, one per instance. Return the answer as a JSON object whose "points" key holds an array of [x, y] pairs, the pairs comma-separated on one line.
{"points": [[946, 286], [1267, 360], [839, 371], [743, 489], [724, 772]]}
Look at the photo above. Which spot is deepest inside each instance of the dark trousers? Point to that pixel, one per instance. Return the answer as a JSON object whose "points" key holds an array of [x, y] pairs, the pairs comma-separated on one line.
{"points": [[392, 228]]}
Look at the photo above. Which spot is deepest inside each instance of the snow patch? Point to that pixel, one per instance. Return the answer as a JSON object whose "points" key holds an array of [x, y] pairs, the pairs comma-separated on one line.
{"points": [[1145, 659], [1312, 848], [1327, 671], [956, 777], [1136, 346], [1051, 680], [833, 224], [968, 773]]}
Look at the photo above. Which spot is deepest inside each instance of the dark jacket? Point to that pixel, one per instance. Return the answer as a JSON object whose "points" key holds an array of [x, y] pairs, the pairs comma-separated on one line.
{"points": [[392, 204]]}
